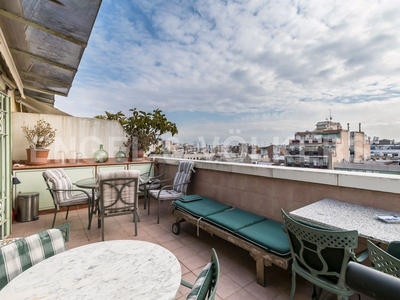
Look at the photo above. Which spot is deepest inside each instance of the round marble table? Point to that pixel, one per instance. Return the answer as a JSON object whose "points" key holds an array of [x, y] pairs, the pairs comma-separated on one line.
{"points": [[121, 269]]}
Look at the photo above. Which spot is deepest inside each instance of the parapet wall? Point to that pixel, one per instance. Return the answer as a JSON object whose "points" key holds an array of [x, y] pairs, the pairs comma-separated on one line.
{"points": [[266, 189]]}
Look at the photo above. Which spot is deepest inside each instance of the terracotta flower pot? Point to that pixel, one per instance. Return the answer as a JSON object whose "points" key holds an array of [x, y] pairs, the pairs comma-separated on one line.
{"points": [[37, 156]]}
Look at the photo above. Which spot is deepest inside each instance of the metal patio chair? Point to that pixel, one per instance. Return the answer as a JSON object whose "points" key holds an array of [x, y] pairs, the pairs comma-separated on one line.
{"points": [[382, 260], [64, 194], [118, 195], [23, 253], [175, 190], [320, 256], [205, 286], [152, 179]]}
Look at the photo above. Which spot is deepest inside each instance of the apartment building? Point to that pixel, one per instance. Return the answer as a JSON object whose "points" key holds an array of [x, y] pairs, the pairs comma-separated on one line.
{"points": [[327, 144]]}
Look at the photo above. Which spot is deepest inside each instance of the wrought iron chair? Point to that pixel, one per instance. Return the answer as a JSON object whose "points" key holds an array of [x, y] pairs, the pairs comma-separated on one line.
{"points": [[152, 179], [23, 253], [64, 194], [118, 192], [320, 256], [175, 190], [205, 286], [382, 260]]}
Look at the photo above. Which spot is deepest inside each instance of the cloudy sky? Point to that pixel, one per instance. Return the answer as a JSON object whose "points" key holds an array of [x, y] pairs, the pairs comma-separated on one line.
{"points": [[255, 71]]}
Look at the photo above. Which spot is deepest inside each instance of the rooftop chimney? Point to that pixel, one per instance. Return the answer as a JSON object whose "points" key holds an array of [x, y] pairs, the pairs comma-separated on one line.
{"points": [[359, 127], [348, 126]]}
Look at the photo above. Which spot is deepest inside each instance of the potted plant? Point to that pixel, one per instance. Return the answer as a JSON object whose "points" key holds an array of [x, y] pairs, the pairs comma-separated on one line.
{"points": [[40, 136], [143, 129]]}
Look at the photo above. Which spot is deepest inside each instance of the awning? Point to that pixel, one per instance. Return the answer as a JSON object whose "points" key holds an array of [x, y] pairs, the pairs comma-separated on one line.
{"points": [[46, 39], [33, 106]]}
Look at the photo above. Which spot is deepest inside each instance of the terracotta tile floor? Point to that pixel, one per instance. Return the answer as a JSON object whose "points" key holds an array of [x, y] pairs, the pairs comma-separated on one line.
{"points": [[237, 281]]}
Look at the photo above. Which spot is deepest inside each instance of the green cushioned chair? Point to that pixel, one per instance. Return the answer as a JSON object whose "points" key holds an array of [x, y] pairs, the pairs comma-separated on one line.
{"points": [[205, 286], [382, 260], [320, 256], [23, 253]]}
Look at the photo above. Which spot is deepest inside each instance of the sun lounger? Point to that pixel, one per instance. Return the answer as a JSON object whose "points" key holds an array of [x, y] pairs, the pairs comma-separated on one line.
{"points": [[263, 238]]}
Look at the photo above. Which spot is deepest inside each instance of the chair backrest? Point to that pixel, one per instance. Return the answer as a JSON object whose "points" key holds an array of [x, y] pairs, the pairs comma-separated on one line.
{"points": [[23, 253], [382, 260], [323, 254], [118, 190], [57, 179], [206, 283], [185, 169]]}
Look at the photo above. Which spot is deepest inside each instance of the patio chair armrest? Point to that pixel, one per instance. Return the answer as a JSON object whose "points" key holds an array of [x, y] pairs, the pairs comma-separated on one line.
{"points": [[186, 284], [70, 190], [165, 187]]}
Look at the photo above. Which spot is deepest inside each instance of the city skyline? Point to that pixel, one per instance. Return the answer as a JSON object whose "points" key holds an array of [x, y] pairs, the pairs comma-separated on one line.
{"points": [[255, 70]]}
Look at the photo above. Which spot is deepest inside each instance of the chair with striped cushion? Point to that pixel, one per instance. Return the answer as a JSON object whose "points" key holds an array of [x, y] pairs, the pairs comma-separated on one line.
{"points": [[205, 286], [152, 179], [23, 253], [174, 191], [64, 194], [118, 192]]}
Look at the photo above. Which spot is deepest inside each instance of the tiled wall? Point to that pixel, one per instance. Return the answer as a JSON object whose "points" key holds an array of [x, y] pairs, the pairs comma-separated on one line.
{"points": [[265, 190]]}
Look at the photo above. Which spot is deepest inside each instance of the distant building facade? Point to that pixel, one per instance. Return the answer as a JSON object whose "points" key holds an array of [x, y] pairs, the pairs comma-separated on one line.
{"points": [[327, 144]]}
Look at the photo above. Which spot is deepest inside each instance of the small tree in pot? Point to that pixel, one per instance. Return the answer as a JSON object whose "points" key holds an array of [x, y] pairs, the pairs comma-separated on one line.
{"points": [[145, 128], [40, 136]]}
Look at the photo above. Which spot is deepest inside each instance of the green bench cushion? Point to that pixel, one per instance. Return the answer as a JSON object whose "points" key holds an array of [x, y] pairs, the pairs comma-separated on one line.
{"points": [[234, 219], [269, 235], [203, 207]]}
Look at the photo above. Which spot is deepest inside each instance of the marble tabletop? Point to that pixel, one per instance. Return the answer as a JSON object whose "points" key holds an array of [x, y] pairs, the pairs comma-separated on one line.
{"points": [[121, 269], [349, 216]]}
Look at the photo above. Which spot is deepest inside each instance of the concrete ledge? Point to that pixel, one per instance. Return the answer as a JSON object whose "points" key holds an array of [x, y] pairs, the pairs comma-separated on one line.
{"points": [[365, 181]]}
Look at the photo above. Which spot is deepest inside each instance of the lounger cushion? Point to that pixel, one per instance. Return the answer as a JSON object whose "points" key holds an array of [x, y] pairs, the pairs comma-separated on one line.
{"points": [[234, 219], [267, 234], [203, 207]]}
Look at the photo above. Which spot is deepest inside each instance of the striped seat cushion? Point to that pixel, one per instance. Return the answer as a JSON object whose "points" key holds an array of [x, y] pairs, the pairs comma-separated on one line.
{"points": [[61, 181], [23, 253], [118, 189], [166, 194], [183, 175]]}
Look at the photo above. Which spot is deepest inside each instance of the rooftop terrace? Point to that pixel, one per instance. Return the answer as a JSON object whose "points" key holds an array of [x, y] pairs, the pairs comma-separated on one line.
{"points": [[238, 275]]}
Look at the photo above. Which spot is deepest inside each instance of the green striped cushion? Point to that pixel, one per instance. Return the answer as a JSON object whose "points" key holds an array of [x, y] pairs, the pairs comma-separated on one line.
{"points": [[23, 253], [202, 284]]}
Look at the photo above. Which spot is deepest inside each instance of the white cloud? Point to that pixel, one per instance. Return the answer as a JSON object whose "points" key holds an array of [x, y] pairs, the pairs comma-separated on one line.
{"points": [[274, 67]]}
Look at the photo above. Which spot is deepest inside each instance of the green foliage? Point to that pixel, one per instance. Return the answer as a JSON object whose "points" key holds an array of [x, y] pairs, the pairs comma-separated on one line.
{"points": [[41, 135], [146, 127]]}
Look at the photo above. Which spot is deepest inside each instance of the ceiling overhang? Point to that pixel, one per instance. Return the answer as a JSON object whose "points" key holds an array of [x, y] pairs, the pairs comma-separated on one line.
{"points": [[44, 41]]}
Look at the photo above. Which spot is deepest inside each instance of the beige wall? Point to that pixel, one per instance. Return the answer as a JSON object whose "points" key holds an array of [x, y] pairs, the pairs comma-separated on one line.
{"points": [[342, 148], [73, 134]]}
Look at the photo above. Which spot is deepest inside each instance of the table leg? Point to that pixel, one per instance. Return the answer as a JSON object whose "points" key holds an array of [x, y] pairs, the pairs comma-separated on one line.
{"points": [[91, 209]]}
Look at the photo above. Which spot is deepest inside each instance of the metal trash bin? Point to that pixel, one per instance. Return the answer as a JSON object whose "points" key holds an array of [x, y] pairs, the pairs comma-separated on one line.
{"points": [[27, 206]]}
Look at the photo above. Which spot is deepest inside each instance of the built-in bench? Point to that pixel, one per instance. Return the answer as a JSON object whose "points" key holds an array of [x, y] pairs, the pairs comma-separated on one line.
{"points": [[263, 238]]}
